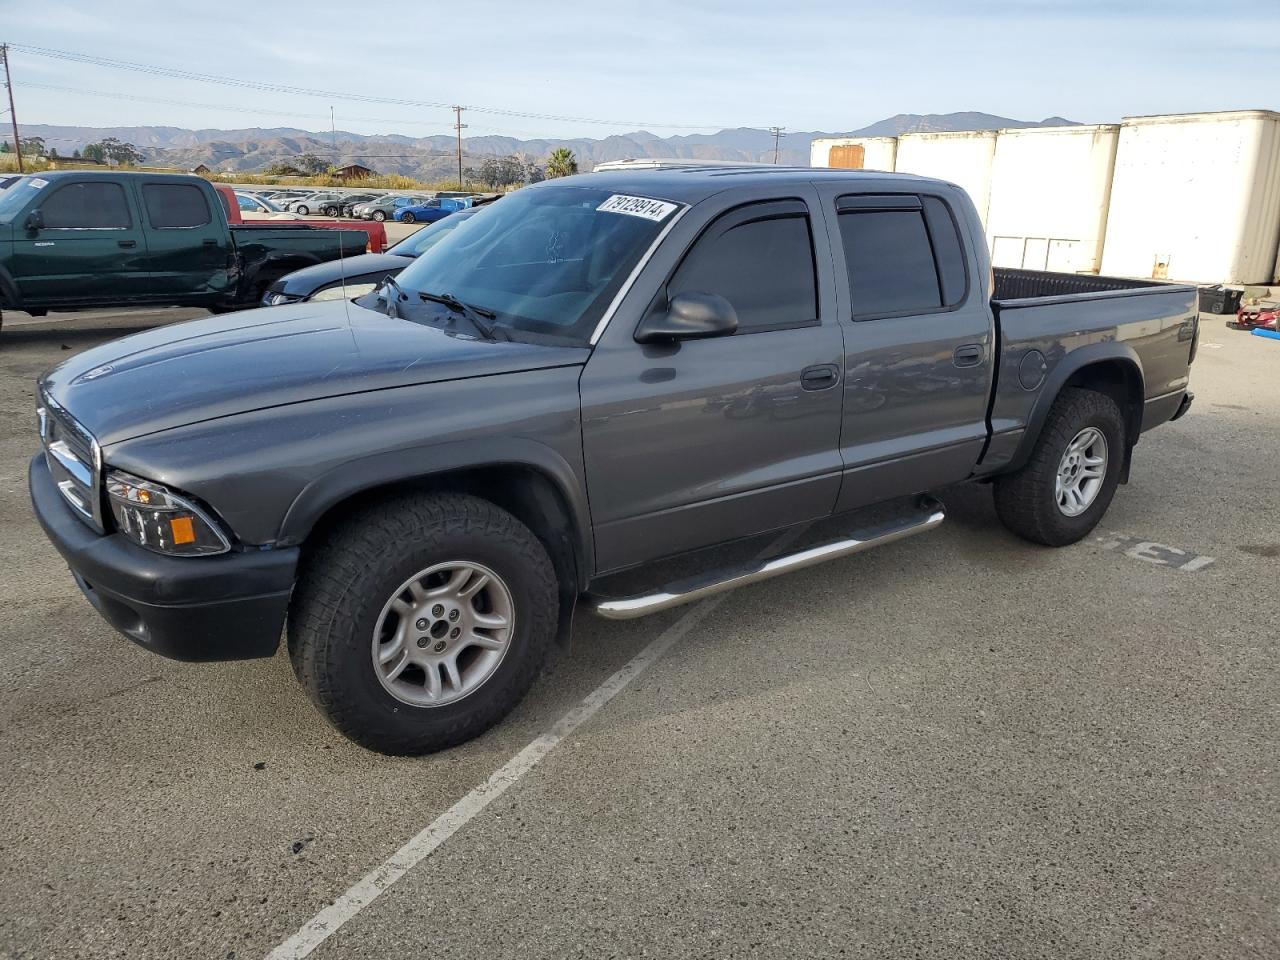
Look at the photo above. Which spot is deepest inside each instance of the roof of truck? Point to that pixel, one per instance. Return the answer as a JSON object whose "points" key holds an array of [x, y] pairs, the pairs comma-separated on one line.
{"points": [[690, 184]]}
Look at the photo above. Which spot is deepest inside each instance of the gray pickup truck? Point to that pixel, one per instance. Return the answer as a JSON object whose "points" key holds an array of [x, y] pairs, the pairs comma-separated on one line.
{"points": [[418, 486]]}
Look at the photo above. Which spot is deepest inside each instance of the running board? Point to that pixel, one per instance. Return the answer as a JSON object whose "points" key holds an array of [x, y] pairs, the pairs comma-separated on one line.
{"points": [[926, 515]]}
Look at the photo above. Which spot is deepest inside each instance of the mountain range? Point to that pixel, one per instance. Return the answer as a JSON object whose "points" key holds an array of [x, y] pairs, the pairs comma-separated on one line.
{"points": [[431, 157]]}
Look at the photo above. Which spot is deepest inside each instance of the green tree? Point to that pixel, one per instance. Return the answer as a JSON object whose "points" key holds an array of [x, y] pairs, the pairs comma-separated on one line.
{"points": [[501, 171], [111, 150], [6, 147], [53, 153], [562, 163], [32, 146], [309, 163]]}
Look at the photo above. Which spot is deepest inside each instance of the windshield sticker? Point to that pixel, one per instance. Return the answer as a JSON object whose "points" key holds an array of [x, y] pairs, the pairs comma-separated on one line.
{"points": [[38, 183], [637, 207]]}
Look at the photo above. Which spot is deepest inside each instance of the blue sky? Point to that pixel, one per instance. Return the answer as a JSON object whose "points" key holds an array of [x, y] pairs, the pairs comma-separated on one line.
{"points": [[672, 64]]}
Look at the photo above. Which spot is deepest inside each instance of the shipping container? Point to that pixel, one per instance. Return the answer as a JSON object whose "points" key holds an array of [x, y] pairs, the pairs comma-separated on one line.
{"points": [[1196, 198], [1050, 187], [854, 153], [963, 158]]}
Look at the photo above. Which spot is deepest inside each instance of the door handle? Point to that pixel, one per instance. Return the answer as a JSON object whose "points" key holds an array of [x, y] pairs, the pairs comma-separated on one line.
{"points": [[968, 355], [819, 377], [209, 242], [127, 243]]}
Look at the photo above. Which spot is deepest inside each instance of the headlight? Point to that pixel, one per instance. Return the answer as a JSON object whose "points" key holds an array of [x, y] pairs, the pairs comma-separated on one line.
{"points": [[349, 292], [155, 517]]}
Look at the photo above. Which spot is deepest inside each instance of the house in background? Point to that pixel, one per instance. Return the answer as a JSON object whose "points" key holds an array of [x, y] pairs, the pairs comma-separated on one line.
{"points": [[353, 171]]}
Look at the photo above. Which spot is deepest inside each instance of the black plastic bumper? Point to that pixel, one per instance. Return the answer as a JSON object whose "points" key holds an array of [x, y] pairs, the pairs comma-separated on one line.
{"points": [[228, 607]]}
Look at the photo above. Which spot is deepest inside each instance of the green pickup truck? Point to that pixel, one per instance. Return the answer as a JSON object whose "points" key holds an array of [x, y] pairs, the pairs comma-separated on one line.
{"points": [[77, 238]]}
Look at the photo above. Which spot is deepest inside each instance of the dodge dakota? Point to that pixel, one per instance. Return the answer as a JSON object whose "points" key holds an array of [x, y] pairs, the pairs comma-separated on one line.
{"points": [[417, 487]]}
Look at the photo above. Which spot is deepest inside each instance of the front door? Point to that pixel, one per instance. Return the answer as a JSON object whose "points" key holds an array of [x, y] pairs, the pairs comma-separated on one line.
{"points": [[694, 442], [189, 245], [91, 248], [919, 338]]}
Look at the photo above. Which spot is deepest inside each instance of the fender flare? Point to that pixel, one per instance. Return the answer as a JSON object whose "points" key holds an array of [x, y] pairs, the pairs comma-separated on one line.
{"points": [[9, 291], [1069, 366], [328, 490]]}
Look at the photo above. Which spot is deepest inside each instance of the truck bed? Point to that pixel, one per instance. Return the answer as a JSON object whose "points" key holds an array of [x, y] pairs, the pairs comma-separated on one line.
{"points": [[1043, 317], [1016, 284]]}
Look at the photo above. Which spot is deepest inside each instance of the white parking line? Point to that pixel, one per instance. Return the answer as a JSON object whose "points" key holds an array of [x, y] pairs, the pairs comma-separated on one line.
{"points": [[325, 923]]}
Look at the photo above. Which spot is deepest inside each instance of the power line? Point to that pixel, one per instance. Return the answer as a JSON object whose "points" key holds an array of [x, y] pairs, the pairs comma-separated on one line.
{"points": [[178, 74]]}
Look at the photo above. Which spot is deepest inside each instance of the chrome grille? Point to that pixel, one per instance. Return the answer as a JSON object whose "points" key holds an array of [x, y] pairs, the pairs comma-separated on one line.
{"points": [[74, 459]]}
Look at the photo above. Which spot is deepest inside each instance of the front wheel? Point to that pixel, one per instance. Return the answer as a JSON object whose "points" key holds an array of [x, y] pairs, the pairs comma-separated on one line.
{"points": [[1071, 477], [379, 215], [408, 218], [422, 621]]}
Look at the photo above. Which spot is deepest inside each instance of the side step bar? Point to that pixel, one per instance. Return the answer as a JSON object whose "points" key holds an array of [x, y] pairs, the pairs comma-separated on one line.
{"points": [[927, 515]]}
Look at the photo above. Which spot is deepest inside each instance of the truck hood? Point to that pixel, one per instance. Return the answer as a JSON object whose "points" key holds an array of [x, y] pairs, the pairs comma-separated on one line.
{"points": [[221, 366]]}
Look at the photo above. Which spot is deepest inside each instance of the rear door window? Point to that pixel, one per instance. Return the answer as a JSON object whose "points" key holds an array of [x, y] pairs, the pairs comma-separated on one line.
{"points": [[87, 206], [175, 205], [902, 254], [760, 259]]}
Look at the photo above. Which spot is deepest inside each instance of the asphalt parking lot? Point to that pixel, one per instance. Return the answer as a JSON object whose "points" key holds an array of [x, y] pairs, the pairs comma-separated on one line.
{"points": [[959, 745]]}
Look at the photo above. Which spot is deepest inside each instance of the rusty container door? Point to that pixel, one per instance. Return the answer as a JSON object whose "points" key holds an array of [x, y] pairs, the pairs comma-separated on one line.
{"points": [[848, 156]]}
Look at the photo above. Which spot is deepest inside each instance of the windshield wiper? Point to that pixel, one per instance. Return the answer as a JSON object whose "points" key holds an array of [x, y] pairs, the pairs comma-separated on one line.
{"points": [[480, 318], [392, 309]]}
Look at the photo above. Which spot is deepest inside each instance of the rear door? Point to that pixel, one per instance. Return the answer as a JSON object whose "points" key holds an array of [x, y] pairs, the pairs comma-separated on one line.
{"points": [[694, 442], [189, 244], [919, 338], [90, 249]]}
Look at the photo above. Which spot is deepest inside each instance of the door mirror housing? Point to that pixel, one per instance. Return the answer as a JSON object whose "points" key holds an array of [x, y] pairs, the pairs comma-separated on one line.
{"points": [[35, 220], [690, 316]]}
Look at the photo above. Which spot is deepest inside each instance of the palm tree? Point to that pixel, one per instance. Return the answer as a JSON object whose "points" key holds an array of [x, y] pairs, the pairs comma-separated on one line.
{"points": [[562, 163]]}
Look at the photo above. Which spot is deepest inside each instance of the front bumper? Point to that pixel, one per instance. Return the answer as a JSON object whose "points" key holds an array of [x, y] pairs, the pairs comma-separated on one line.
{"points": [[226, 607]]}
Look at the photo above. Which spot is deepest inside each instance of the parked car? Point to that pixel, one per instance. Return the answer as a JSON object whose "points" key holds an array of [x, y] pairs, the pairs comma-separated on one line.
{"points": [[253, 207], [384, 207], [355, 276], [313, 203], [80, 238], [401, 483], [429, 211], [351, 199]]}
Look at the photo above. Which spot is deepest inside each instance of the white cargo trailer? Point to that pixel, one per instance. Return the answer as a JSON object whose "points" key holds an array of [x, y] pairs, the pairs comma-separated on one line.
{"points": [[1049, 192], [855, 153], [963, 158], [1196, 197]]}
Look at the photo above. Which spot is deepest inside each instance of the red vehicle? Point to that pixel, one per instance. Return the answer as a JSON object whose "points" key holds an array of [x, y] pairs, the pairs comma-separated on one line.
{"points": [[376, 232], [1258, 315]]}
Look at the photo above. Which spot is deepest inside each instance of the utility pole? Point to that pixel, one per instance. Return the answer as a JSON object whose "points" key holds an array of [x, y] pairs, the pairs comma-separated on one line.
{"points": [[777, 134], [459, 126], [13, 114]]}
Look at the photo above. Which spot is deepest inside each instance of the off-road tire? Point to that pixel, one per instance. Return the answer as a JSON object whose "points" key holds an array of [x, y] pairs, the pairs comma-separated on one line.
{"points": [[346, 579], [1025, 500]]}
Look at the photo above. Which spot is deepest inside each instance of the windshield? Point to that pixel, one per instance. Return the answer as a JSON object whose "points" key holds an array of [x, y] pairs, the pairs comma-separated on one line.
{"points": [[546, 259], [15, 198], [419, 243]]}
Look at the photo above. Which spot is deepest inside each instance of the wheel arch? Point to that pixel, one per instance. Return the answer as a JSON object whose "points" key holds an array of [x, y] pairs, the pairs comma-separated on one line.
{"points": [[529, 480], [1110, 368]]}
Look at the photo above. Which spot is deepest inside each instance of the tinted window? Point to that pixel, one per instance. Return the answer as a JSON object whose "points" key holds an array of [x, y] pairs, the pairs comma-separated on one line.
{"points": [[175, 205], [763, 267], [890, 262], [947, 250], [87, 205]]}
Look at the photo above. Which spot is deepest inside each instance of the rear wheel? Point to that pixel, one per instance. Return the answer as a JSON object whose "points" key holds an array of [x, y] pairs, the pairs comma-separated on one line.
{"points": [[302, 209], [379, 215], [1067, 485], [408, 217], [420, 622]]}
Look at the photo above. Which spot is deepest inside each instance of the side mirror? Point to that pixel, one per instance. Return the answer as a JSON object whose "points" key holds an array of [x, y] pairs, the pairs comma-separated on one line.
{"points": [[690, 316], [35, 220]]}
